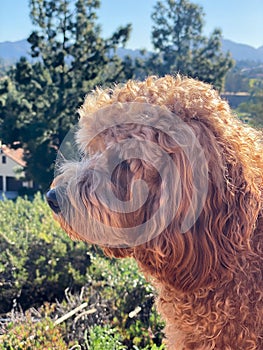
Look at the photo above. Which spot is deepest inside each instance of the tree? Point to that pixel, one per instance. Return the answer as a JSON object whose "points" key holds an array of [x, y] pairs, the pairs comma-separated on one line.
{"points": [[236, 82], [181, 47], [252, 111], [69, 58]]}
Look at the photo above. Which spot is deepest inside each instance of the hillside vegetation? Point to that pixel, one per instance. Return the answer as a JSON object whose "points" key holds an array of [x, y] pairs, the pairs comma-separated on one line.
{"points": [[44, 276]]}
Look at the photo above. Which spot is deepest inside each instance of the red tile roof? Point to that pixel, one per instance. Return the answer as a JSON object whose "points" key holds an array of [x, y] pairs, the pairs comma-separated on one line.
{"points": [[15, 154]]}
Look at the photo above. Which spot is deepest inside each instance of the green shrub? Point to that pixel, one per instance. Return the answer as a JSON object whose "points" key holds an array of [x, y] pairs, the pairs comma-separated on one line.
{"points": [[104, 338], [38, 263], [37, 259], [33, 335], [129, 300], [120, 298]]}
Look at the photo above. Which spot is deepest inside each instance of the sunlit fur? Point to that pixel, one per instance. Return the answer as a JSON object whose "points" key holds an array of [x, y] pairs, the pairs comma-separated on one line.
{"points": [[209, 279]]}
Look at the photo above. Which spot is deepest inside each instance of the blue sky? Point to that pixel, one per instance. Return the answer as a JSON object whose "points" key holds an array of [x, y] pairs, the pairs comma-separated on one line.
{"points": [[239, 20]]}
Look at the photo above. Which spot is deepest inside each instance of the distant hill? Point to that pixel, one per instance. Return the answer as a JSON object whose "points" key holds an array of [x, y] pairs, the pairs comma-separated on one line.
{"points": [[10, 52], [242, 51]]}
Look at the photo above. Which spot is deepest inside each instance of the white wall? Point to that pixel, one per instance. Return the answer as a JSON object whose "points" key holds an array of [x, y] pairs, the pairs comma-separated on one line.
{"points": [[8, 168]]}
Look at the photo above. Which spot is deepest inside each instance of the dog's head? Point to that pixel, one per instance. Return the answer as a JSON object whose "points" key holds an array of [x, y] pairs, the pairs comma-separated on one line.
{"points": [[168, 176]]}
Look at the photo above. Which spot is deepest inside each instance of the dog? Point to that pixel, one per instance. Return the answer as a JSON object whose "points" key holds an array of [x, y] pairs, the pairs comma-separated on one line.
{"points": [[170, 176]]}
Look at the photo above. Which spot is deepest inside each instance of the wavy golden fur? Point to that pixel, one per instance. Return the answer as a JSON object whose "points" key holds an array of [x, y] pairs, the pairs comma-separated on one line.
{"points": [[209, 279]]}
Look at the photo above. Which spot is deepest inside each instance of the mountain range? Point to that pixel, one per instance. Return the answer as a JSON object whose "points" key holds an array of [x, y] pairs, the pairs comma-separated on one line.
{"points": [[10, 52]]}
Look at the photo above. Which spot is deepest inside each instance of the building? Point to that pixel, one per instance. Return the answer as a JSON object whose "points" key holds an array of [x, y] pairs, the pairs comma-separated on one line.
{"points": [[11, 172]]}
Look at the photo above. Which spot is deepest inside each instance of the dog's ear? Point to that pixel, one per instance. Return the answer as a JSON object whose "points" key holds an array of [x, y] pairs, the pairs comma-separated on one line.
{"points": [[183, 237], [213, 245]]}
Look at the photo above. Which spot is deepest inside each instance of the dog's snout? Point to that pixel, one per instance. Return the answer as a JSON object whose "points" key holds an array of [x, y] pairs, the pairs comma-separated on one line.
{"points": [[52, 200]]}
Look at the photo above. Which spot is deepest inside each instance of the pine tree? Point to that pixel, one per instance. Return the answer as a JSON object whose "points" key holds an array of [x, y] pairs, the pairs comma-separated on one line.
{"points": [[69, 58], [181, 47]]}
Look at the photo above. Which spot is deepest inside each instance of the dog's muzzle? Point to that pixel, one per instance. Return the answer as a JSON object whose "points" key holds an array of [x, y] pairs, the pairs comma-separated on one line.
{"points": [[53, 201]]}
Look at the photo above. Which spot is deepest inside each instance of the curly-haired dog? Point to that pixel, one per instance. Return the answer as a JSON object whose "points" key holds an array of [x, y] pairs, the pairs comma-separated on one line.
{"points": [[207, 269]]}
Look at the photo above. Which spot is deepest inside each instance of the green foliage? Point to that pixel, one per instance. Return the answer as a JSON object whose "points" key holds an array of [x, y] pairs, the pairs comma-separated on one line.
{"points": [[121, 298], [3, 67], [104, 338], [132, 300], [252, 111], [236, 82], [245, 76], [181, 47], [37, 261], [39, 100], [40, 335]]}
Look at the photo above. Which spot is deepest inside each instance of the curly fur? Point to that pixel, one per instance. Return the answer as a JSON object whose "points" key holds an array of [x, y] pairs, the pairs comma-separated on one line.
{"points": [[209, 279]]}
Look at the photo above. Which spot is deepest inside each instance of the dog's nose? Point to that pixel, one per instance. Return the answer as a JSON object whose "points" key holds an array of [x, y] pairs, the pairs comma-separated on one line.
{"points": [[53, 201]]}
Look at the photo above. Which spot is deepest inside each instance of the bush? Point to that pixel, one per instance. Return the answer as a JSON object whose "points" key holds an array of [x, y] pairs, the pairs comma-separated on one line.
{"points": [[37, 260], [119, 297], [130, 300], [39, 264], [104, 338], [41, 335]]}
